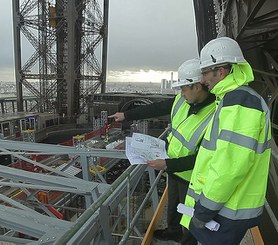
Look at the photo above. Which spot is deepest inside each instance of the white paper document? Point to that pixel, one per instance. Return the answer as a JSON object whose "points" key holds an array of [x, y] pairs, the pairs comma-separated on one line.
{"points": [[141, 147], [212, 225]]}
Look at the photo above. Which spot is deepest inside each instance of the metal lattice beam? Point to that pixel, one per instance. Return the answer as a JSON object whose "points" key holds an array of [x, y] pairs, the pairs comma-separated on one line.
{"points": [[64, 59]]}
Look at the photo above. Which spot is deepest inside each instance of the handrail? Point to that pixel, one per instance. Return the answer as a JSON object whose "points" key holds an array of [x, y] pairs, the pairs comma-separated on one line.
{"points": [[155, 219], [94, 207], [140, 210], [81, 221], [256, 236]]}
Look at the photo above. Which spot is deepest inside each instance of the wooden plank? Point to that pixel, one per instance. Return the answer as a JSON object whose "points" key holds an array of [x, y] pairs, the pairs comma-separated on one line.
{"points": [[254, 239], [256, 236], [156, 218]]}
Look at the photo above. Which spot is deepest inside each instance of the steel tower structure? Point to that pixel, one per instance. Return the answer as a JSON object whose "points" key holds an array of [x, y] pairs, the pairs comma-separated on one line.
{"points": [[254, 24], [60, 49]]}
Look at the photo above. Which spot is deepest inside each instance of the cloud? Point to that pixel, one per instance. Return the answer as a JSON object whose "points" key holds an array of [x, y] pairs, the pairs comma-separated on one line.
{"points": [[156, 35], [6, 38], [139, 76]]}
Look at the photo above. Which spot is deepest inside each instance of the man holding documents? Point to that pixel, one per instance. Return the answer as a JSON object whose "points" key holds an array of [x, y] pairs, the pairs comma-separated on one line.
{"points": [[191, 111], [228, 183]]}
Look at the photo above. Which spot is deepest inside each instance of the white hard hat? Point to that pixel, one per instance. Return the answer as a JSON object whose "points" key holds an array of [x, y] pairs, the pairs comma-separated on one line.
{"points": [[188, 73], [223, 50]]}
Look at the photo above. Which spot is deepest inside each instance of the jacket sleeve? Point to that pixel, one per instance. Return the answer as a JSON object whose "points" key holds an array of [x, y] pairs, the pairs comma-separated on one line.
{"points": [[180, 164], [157, 109]]}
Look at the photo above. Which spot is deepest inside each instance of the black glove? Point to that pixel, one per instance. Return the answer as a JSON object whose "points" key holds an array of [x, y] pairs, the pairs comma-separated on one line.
{"points": [[198, 223]]}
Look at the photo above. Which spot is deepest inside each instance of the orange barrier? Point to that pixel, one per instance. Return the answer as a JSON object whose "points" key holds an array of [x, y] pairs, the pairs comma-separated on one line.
{"points": [[58, 214]]}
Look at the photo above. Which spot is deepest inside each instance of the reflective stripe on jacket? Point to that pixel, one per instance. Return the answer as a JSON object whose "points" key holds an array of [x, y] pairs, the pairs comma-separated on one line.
{"points": [[186, 131], [231, 169]]}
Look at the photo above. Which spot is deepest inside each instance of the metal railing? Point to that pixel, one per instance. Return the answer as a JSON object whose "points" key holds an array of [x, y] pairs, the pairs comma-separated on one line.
{"points": [[109, 207]]}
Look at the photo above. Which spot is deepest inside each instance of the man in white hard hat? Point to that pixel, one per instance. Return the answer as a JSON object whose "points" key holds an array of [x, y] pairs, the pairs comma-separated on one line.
{"points": [[228, 183], [190, 111]]}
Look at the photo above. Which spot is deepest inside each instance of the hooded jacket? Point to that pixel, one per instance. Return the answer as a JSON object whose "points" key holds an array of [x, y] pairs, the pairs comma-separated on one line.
{"points": [[231, 170]]}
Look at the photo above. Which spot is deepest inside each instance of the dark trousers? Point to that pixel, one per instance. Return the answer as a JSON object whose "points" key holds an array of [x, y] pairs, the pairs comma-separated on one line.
{"points": [[176, 194], [230, 232]]}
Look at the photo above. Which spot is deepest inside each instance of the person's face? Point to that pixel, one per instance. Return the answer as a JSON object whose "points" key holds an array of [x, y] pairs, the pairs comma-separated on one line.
{"points": [[190, 93], [212, 77]]}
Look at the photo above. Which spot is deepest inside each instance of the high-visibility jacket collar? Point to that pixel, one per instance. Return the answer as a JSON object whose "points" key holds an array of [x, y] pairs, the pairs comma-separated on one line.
{"points": [[241, 74]]}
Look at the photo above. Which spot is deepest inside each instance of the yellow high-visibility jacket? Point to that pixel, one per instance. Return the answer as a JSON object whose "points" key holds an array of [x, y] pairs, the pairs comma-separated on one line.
{"points": [[187, 131], [231, 170]]}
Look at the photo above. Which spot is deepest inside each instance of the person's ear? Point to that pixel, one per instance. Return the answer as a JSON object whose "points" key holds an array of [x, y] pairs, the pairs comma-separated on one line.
{"points": [[198, 86], [222, 72]]}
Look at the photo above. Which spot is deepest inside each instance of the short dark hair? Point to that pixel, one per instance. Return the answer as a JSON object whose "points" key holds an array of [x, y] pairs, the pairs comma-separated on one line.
{"points": [[227, 67]]}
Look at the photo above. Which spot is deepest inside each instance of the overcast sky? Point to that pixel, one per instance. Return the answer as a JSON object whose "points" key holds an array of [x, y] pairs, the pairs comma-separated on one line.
{"points": [[147, 38]]}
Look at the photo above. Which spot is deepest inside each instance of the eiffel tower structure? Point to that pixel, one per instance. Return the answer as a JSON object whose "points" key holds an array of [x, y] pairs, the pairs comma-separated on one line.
{"points": [[60, 53]]}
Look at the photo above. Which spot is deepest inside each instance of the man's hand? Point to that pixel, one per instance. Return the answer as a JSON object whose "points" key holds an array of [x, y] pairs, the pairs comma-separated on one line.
{"points": [[157, 164], [198, 223], [118, 116]]}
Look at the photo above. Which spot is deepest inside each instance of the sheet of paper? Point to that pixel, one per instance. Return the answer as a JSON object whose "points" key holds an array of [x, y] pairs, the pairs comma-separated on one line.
{"points": [[132, 155], [211, 225], [140, 148]]}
